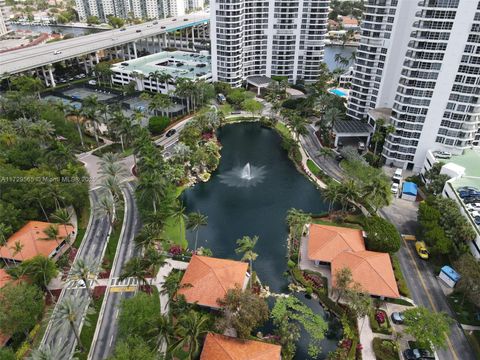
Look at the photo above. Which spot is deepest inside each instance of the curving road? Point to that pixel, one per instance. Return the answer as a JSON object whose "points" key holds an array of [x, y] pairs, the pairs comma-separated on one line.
{"points": [[107, 327], [93, 246]]}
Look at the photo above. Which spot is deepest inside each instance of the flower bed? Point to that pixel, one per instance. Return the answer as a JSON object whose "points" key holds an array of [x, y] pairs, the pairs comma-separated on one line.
{"points": [[379, 322]]}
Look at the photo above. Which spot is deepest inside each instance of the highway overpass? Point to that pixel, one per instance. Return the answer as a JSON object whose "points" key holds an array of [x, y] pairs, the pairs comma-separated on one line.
{"points": [[38, 56]]}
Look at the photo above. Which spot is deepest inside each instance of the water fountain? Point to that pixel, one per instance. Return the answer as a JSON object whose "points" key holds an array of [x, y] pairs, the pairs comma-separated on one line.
{"points": [[246, 176], [246, 172]]}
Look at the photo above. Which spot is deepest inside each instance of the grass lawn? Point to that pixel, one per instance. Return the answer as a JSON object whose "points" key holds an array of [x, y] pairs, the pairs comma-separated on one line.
{"points": [[283, 130], [83, 218], [466, 312], [320, 221], [86, 336], [175, 231], [113, 242], [474, 340], [313, 168], [113, 148], [385, 349]]}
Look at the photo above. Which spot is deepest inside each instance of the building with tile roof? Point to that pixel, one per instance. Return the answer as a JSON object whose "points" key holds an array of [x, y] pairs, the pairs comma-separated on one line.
{"points": [[221, 347], [208, 279], [34, 241], [372, 270], [326, 242]]}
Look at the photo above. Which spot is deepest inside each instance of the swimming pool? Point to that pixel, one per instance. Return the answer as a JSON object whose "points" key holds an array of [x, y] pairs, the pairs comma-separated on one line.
{"points": [[338, 92]]}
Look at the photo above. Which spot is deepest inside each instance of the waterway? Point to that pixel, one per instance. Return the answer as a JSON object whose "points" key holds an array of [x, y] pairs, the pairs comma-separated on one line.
{"points": [[75, 31], [331, 51], [235, 210]]}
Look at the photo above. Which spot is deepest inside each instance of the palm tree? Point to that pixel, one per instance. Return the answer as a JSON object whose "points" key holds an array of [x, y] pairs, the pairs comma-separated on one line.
{"points": [[77, 118], [150, 236], [155, 75], [64, 217], [246, 245], [112, 184], [331, 193], [325, 152], [85, 270], [178, 212], [17, 249], [151, 187], [332, 115], [165, 77], [44, 130], [68, 313], [348, 191], [90, 106], [4, 232], [42, 270], [106, 207], [194, 221], [49, 352], [161, 330], [296, 221], [24, 126], [137, 268], [52, 234], [190, 329]]}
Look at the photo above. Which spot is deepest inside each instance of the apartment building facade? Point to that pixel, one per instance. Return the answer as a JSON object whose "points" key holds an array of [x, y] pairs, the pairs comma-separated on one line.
{"points": [[267, 38], [142, 9], [422, 60]]}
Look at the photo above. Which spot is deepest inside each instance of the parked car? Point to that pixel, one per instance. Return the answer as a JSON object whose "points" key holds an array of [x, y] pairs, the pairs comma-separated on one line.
{"points": [[170, 132], [471, 199], [123, 29], [467, 188], [443, 155], [397, 176], [339, 157], [361, 145], [92, 82], [394, 188], [57, 52], [81, 283], [397, 318], [138, 30], [463, 193], [476, 219], [473, 207], [421, 249], [155, 23]]}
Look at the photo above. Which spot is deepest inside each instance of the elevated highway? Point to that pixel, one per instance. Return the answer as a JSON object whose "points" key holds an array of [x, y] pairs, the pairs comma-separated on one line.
{"points": [[38, 56]]}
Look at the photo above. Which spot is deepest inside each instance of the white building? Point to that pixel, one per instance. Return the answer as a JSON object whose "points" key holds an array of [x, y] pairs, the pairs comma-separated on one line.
{"points": [[3, 26], [176, 64], [142, 9], [464, 170], [422, 60], [267, 38]]}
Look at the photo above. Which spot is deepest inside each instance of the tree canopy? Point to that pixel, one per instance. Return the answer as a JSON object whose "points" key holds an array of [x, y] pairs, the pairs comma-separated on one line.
{"points": [[382, 235]]}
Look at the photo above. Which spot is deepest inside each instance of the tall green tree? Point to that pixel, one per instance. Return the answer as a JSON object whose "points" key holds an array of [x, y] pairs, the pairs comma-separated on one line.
{"points": [[190, 331], [428, 328], [343, 280], [194, 221], [85, 270], [245, 246], [242, 311], [20, 308], [40, 270], [469, 284]]}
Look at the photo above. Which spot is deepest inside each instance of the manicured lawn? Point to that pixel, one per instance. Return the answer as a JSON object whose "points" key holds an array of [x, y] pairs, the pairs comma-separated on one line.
{"points": [[175, 231], [384, 328], [83, 218], [113, 148], [113, 242], [283, 130], [313, 168], [86, 336], [320, 221], [385, 349], [466, 312]]}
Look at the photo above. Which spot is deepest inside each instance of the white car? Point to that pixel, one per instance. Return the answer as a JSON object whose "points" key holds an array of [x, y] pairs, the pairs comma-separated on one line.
{"points": [[394, 188], [475, 214], [57, 52], [473, 207]]}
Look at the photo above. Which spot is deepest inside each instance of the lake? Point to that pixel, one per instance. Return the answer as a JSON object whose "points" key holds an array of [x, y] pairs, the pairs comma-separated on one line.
{"points": [[235, 209]]}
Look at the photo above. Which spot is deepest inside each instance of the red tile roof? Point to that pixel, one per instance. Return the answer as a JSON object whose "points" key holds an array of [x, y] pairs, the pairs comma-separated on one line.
{"points": [[4, 278], [220, 347], [34, 241], [372, 270], [211, 278], [326, 242]]}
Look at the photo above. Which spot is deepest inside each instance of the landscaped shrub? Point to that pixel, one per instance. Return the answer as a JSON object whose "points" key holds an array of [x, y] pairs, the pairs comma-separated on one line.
{"points": [[382, 235], [385, 349], [290, 264], [380, 317], [157, 124], [379, 322], [397, 271]]}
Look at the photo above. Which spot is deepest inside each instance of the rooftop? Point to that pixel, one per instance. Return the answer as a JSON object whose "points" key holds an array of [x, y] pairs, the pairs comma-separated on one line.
{"points": [[34, 241], [372, 270], [220, 347], [208, 279], [380, 113], [178, 64], [326, 242], [4, 278], [351, 127], [470, 160]]}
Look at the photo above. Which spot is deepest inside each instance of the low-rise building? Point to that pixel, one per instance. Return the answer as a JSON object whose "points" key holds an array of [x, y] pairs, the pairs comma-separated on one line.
{"points": [[221, 347], [342, 247], [349, 23], [208, 279], [172, 64], [32, 240], [464, 171]]}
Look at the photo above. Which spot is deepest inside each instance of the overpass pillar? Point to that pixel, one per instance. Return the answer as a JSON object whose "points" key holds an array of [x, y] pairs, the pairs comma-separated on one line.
{"points": [[134, 50], [165, 44], [96, 57], [45, 76], [50, 73], [193, 37]]}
